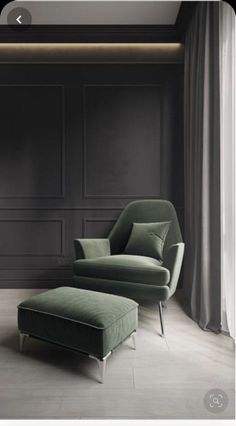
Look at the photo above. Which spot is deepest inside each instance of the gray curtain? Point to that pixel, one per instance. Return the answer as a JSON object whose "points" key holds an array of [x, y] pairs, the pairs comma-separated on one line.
{"points": [[202, 287]]}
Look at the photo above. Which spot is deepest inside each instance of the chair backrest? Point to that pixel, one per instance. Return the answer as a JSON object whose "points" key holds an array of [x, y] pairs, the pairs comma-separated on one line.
{"points": [[144, 211]]}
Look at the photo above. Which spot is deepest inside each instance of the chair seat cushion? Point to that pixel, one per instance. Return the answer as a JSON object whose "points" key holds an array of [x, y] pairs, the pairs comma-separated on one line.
{"points": [[138, 269], [88, 321]]}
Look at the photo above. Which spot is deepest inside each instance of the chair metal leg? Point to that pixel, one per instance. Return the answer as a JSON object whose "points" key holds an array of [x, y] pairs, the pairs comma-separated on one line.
{"points": [[161, 319], [133, 335], [102, 365], [22, 338]]}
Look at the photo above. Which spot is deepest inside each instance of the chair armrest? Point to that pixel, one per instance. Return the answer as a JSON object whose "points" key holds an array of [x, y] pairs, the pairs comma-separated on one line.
{"points": [[173, 261], [88, 248]]}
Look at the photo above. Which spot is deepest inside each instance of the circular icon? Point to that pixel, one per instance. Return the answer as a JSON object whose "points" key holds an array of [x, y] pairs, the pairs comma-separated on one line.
{"points": [[19, 17], [216, 401]]}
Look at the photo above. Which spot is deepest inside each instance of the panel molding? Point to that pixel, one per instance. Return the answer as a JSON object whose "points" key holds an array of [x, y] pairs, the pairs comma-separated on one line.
{"points": [[35, 283], [36, 268], [93, 208], [62, 147], [34, 280], [82, 208], [86, 220], [39, 220], [84, 171]]}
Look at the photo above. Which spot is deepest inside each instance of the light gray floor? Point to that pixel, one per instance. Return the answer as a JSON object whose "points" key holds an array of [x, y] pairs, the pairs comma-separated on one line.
{"points": [[163, 378]]}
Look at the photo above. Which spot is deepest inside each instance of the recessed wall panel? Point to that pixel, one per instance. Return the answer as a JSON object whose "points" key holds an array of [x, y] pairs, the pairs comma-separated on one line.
{"points": [[122, 141], [97, 227], [31, 237], [31, 160]]}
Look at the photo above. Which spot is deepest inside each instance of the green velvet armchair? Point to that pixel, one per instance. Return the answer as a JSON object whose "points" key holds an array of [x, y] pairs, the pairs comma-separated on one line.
{"points": [[103, 264]]}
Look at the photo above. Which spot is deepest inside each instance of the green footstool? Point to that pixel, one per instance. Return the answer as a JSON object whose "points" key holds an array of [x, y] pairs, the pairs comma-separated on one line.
{"points": [[87, 321]]}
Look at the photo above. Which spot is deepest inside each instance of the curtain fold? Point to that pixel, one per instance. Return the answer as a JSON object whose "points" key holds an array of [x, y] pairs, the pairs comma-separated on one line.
{"points": [[228, 163], [202, 265]]}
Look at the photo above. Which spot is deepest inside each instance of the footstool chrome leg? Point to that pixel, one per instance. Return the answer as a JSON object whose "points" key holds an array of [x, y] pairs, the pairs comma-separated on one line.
{"points": [[161, 319], [133, 335], [101, 364], [22, 340], [102, 368]]}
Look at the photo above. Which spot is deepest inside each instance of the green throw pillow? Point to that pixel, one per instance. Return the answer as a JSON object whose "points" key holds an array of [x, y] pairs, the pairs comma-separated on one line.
{"points": [[147, 239]]}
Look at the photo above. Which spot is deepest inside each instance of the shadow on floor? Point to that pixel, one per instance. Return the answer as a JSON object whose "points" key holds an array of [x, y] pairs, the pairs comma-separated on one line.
{"points": [[51, 355]]}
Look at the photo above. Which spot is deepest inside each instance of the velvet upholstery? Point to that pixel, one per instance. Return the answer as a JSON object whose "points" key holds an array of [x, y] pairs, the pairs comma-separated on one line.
{"points": [[147, 239], [144, 211], [90, 322], [134, 276], [125, 268], [136, 291], [90, 248]]}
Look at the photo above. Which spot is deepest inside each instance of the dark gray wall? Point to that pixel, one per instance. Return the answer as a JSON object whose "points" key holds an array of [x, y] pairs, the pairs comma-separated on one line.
{"points": [[77, 143]]}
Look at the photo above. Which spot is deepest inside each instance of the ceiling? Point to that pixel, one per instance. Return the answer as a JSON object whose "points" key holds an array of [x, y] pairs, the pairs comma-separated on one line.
{"points": [[100, 12]]}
